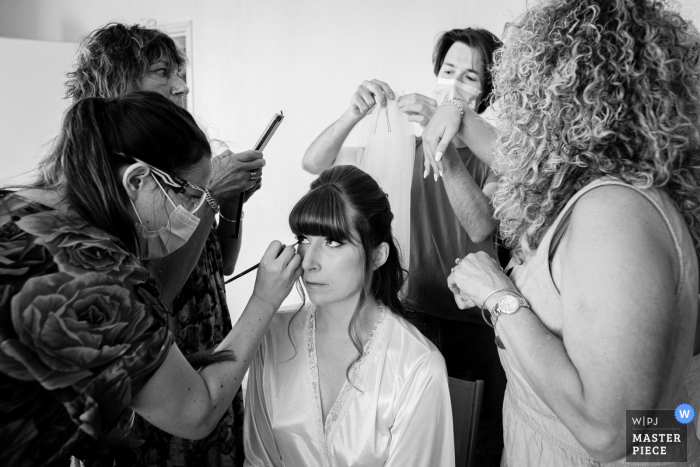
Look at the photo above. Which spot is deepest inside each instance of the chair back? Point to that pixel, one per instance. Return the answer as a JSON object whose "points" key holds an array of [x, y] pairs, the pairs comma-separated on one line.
{"points": [[466, 408], [692, 384]]}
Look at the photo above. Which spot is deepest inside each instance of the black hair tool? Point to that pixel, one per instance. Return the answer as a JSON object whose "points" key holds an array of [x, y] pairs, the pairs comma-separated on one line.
{"points": [[259, 146]]}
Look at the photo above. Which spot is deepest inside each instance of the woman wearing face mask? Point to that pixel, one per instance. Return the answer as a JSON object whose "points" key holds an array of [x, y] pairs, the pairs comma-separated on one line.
{"points": [[347, 380], [112, 60], [83, 332], [448, 215], [469, 119]]}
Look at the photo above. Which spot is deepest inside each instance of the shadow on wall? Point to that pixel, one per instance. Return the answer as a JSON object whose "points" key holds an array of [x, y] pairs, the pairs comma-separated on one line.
{"points": [[28, 11]]}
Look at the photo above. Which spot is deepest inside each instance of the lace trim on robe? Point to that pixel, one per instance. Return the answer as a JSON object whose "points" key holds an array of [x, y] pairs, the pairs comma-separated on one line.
{"points": [[313, 383], [326, 432]]}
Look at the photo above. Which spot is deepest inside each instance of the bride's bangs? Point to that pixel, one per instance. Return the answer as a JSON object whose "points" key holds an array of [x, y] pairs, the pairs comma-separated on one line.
{"points": [[322, 212]]}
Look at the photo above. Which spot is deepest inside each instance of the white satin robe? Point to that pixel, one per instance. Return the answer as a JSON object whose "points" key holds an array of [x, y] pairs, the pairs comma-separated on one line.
{"points": [[403, 418]]}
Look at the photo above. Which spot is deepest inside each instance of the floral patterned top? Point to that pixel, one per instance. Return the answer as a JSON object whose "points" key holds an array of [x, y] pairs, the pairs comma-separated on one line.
{"points": [[82, 328], [199, 321]]}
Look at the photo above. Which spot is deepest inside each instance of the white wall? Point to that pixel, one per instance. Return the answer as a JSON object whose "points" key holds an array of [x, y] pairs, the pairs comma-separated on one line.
{"points": [[254, 58], [31, 103]]}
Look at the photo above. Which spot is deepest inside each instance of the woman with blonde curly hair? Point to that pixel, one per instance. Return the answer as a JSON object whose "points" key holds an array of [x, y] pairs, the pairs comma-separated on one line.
{"points": [[599, 152]]}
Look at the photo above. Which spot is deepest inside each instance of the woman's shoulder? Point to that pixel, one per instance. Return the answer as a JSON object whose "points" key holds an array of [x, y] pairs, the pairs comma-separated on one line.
{"points": [[624, 214], [625, 232], [285, 337], [415, 348], [37, 239], [295, 313], [62, 277], [13, 206], [289, 322], [78, 314], [405, 330]]}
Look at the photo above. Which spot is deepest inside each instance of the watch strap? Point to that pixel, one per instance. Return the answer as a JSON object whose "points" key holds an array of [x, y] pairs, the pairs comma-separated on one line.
{"points": [[495, 311]]}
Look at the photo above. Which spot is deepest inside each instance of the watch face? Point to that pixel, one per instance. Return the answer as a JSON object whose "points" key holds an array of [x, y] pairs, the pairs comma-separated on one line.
{"points": [[508, 304]]}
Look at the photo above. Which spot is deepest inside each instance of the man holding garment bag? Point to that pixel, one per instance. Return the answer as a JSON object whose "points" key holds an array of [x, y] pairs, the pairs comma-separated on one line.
{"points": [[450, 214]]}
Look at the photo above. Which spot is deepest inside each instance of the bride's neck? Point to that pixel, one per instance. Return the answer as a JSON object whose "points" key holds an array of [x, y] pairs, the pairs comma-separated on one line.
{"points": [[334, 318]]}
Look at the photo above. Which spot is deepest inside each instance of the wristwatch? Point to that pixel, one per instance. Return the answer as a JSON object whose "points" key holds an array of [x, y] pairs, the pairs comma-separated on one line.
{"points": [[506, 305]]}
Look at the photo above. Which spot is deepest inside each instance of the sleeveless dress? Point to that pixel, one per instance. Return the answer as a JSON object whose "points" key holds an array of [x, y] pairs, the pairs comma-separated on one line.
{"points": [[533, 434]]}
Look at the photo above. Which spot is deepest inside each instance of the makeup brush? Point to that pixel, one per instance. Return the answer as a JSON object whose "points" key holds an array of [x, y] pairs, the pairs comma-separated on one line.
{"points": [[253, 268]]}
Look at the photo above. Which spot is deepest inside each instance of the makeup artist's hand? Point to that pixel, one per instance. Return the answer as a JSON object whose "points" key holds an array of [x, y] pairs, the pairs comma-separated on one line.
{"points": [[419, 108], [279, 268], [231, 174], [366, 96]]}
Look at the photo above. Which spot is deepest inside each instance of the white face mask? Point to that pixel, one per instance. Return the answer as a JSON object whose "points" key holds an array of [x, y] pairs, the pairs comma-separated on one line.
{"points": [[446, 89], [181, 225]]}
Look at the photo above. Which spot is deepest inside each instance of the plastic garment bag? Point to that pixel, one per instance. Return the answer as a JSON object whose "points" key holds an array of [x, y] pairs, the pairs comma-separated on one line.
{"points": [[390, 147]]}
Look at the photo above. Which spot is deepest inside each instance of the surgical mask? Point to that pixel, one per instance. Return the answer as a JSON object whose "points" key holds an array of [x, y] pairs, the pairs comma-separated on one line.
{"points": [[446, 89], [181, 225]]}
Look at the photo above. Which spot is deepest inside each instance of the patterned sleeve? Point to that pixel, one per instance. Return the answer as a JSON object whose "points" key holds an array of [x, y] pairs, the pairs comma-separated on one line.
{"points": [[82, 329]]}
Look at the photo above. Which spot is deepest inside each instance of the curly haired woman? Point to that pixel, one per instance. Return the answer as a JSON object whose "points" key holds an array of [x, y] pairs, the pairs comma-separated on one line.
{"points": [[599, 152]]}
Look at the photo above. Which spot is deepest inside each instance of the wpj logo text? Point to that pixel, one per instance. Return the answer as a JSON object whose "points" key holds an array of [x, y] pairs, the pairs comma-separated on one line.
{"points": [[658, 435]]}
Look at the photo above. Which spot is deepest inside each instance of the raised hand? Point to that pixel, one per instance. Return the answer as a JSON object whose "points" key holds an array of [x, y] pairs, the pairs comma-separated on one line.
{"points": [[366, 96], [279, 268], [419, 108], [235, 173]]}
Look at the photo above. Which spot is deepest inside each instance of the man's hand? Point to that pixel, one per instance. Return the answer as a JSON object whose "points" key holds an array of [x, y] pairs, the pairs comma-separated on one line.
{"points": [[366, 96], [419, 108], [233, 174]]}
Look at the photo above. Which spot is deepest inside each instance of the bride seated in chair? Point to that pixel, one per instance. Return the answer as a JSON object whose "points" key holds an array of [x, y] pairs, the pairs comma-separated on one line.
{"points": [[346, 380]]}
